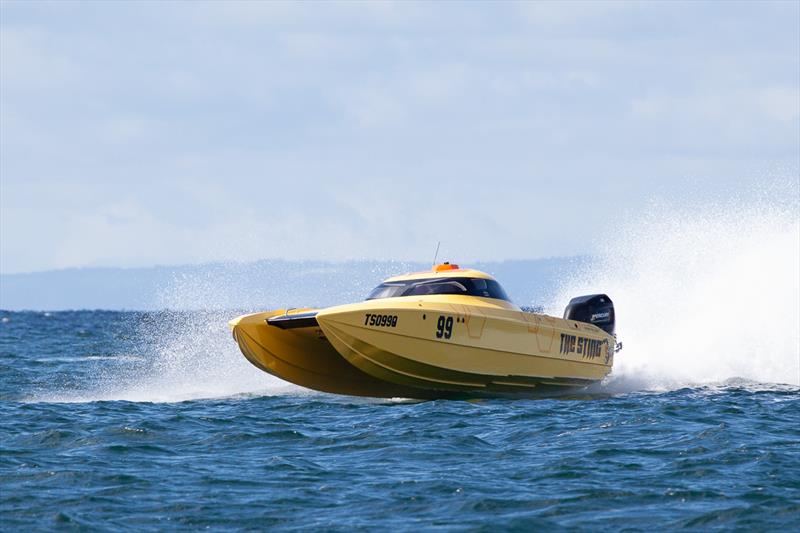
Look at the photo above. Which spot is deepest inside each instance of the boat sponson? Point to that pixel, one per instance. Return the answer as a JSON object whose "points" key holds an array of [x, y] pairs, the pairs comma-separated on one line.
{"points": [[395, 368], [304, 357]]}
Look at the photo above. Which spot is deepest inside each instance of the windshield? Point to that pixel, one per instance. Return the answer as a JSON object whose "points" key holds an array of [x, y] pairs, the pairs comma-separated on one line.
{"points": [[485, 288]]}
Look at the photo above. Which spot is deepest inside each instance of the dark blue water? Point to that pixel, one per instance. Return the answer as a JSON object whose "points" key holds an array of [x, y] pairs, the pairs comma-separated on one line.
{"points": [[265, 455]]}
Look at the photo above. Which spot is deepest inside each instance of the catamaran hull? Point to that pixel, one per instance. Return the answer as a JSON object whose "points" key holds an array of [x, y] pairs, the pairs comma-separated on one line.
{"points": [[450, 332]]}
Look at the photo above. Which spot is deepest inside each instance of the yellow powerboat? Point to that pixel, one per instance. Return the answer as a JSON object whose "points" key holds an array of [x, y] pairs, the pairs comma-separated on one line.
{"points": [[442, 333]]}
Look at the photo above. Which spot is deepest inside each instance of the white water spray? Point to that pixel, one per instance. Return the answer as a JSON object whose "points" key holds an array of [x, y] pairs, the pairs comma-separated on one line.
{"points": [[193, 352], [703, 296], [196, 357]]}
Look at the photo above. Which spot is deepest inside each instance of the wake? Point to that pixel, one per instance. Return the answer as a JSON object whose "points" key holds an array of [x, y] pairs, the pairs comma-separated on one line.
{"points": [[703, 296]]}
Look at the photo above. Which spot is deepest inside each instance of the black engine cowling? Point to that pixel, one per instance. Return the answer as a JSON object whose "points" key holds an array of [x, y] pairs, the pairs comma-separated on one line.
{"points": [[596, 309]]}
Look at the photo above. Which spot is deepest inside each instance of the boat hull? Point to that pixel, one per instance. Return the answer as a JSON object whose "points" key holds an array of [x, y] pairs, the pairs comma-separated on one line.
{"points": [[448, 344], [303, 356]]}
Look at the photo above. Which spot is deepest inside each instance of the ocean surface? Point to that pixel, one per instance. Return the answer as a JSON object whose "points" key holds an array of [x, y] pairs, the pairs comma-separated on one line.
{"points": [[153, 421]]}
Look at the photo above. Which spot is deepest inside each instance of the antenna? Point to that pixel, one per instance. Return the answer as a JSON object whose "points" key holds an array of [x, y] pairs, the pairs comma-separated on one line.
{"points": [[436, 255]]}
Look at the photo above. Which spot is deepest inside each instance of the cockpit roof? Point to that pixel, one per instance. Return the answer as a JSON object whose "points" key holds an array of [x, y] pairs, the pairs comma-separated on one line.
{"points": [[444, 270]]}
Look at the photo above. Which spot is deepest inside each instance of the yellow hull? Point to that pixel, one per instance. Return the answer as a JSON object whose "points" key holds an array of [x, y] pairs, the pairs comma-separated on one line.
{"points": [[304, 357], [448, 332], [491, 348]]}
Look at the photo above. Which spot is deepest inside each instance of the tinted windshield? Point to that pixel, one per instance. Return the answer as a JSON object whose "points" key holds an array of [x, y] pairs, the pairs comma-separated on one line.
{"points": [[485, 288]]}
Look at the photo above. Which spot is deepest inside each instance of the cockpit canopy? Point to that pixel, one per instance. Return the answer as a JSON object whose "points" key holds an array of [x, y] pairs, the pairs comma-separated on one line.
{"points": [[481, 287]]}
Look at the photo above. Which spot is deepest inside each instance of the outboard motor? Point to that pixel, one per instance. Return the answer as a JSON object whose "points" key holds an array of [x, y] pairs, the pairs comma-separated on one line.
{"points": [[596, 309]]}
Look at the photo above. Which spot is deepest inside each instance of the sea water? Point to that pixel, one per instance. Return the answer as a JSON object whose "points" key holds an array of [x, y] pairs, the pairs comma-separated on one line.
{"points": [[154, 421]]}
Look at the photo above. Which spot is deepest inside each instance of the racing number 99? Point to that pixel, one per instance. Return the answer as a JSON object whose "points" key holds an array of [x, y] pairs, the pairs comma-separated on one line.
{"points": [[444, 327]]}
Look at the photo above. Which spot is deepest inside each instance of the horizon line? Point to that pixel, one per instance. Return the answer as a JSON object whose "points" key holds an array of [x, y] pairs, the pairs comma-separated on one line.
{"points": [[234, 262]]}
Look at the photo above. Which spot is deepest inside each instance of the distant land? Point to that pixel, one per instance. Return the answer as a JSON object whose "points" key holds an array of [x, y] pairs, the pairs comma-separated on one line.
{"points": [[255, 285]]}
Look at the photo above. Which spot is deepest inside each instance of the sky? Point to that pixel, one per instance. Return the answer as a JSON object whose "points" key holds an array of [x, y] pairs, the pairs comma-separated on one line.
{"points": [[151, 133]]}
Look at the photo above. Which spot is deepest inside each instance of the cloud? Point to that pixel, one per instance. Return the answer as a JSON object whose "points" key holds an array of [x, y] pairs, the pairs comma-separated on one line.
{"points": [[136, 134], [780, 103]]}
